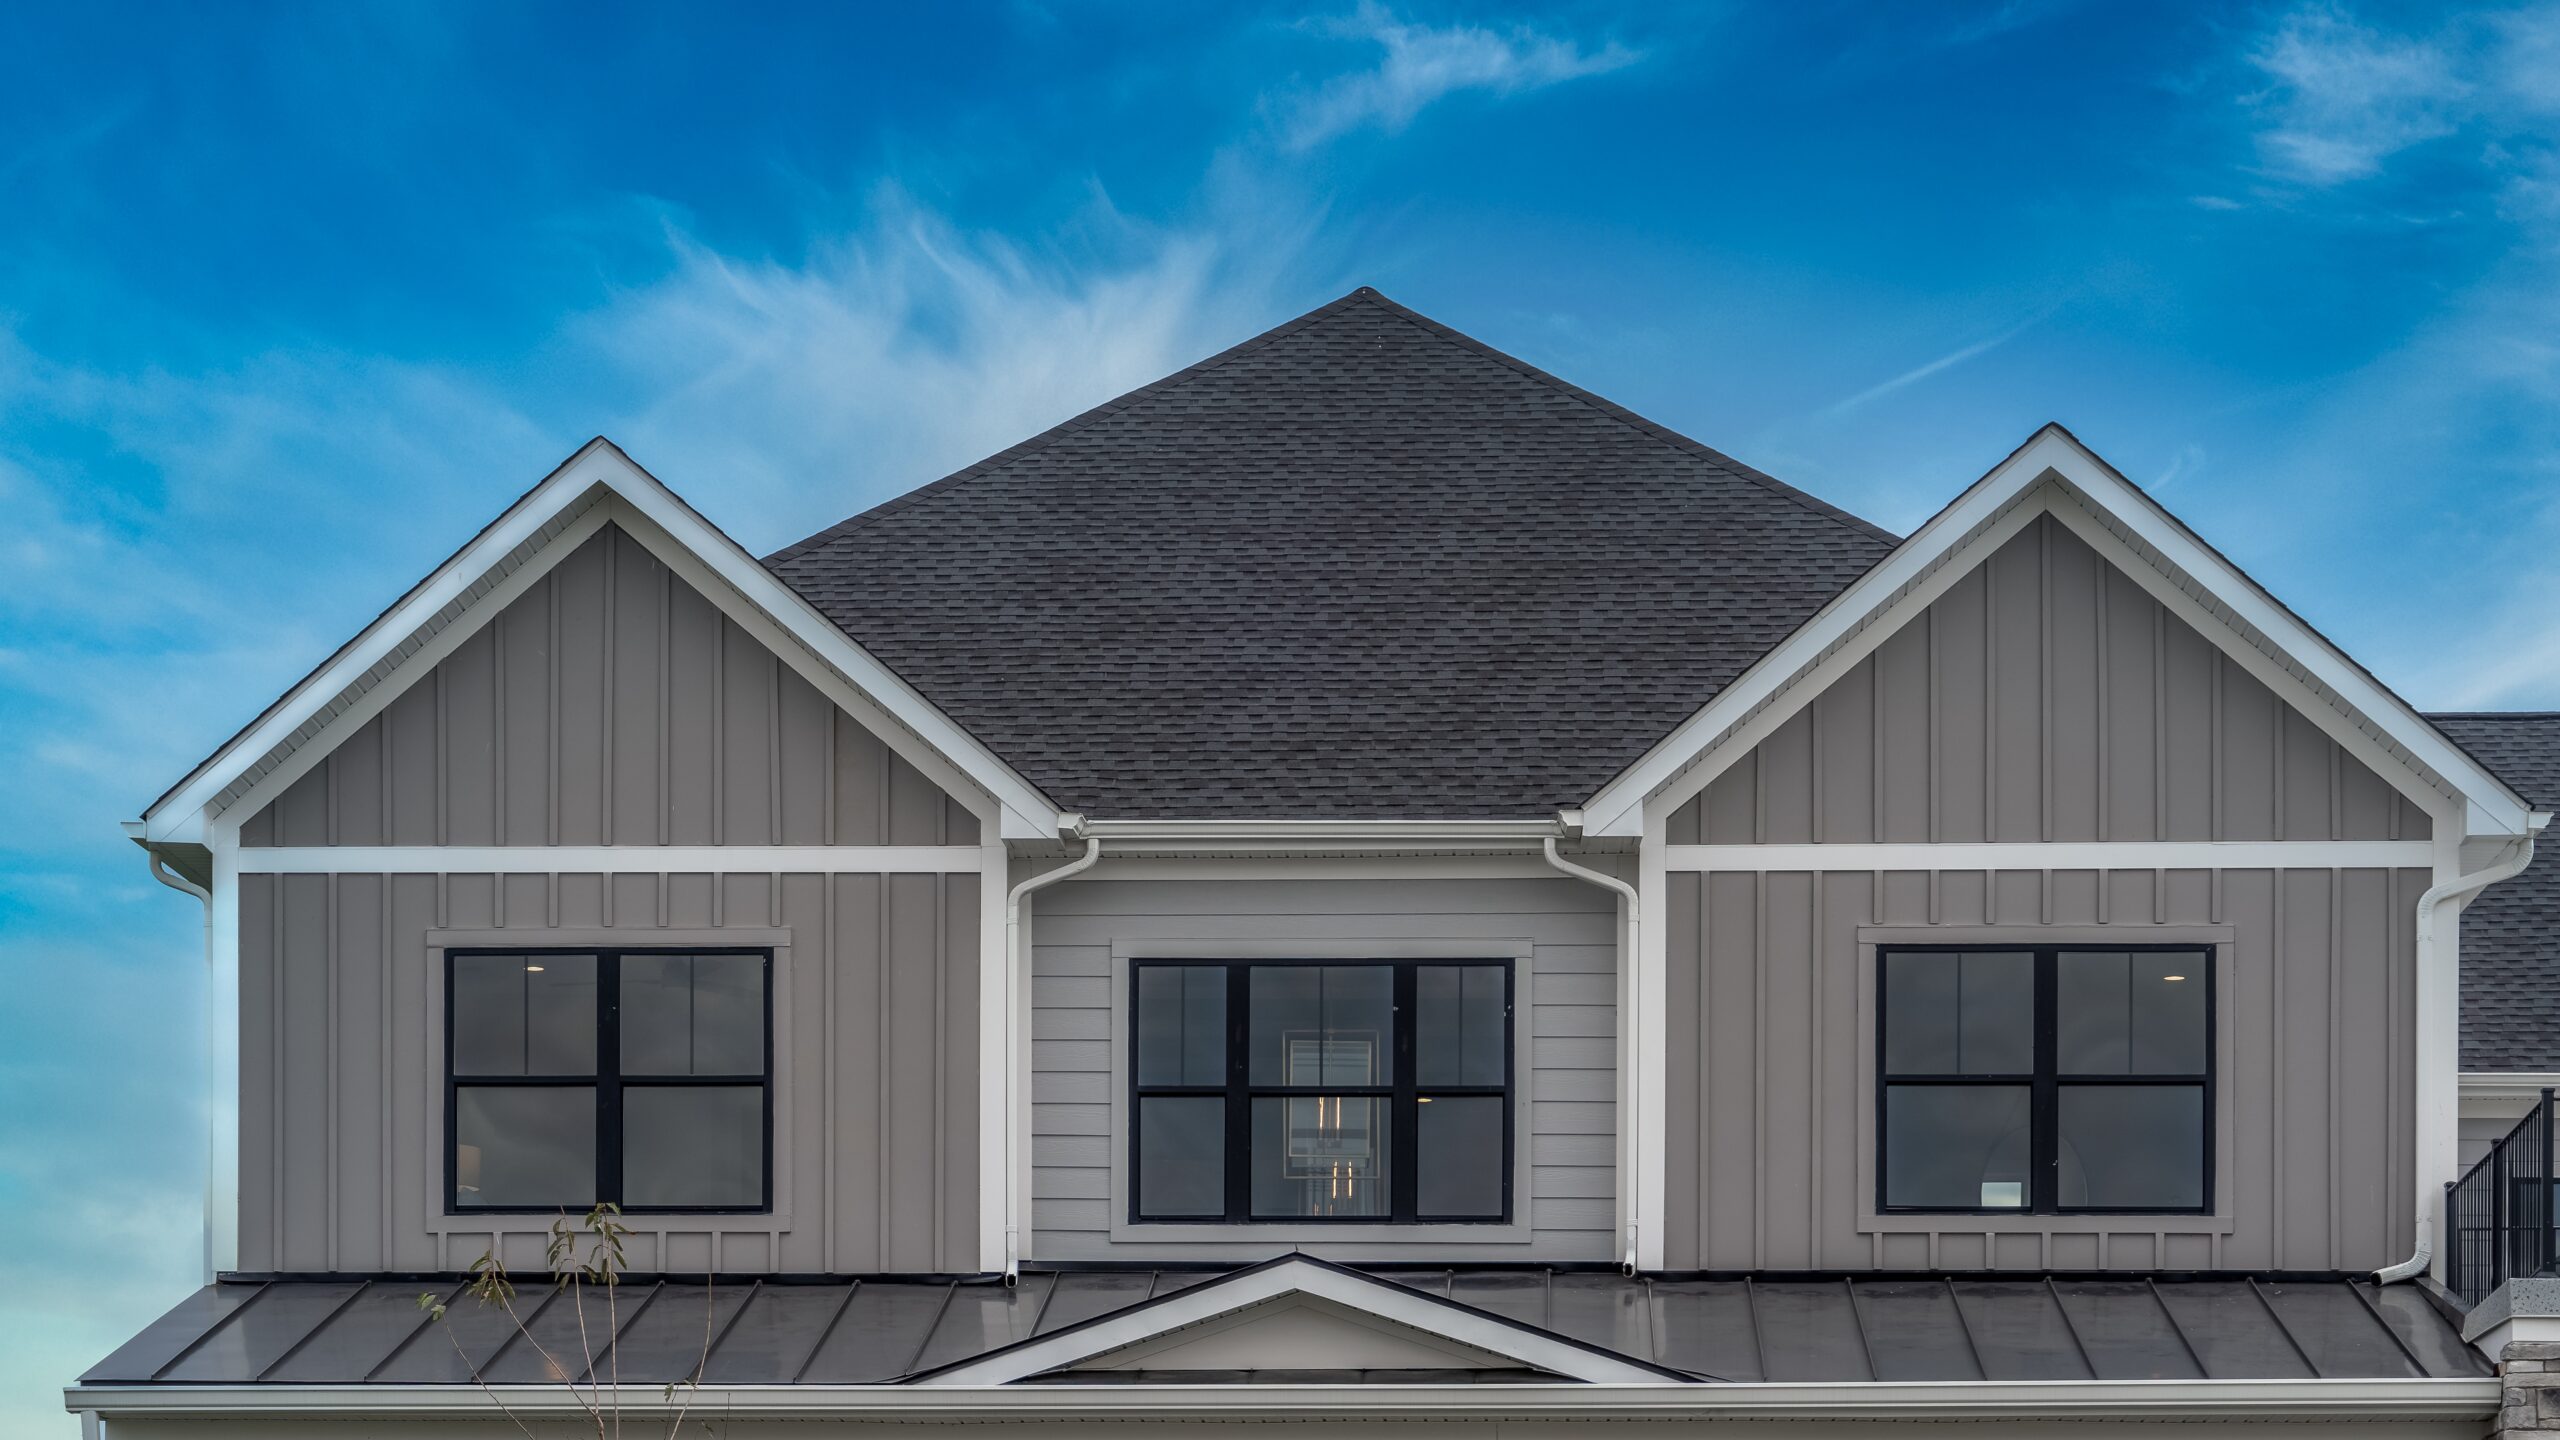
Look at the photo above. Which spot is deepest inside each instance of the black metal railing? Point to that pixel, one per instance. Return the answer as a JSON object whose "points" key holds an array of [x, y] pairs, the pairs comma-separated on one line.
{"points": [[2498, 1218]]}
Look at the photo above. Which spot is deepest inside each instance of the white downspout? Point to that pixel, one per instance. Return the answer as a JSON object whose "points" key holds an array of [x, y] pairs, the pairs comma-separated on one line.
{"points": [[1013, 1182], [2418, 1263], [161, 872], [1629, 1035]]}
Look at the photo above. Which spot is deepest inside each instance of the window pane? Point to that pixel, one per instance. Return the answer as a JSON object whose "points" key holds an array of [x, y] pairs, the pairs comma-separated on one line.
{"points": [[1319, 1156], [693, 1145], [692, 1014], [1457, 1156], [1322, 1024], [1182, 1025], [1182, 1156], [2131, 1146], [1459, 1034], [2129, 1014], [524, 1015], [524, 1146], [1957, 1147], [1960, 1014]]}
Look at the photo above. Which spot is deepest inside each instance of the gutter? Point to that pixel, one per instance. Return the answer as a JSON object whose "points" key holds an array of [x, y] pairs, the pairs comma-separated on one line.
{"points": [[2422, 1257], [1631, 1124], [2464, 1399], [1016, 1174], [161, 871], [1267, 837]]}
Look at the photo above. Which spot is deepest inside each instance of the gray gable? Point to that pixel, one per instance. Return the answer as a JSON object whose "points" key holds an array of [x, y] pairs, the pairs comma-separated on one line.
{"points": [[1360, 565], [2511, 934]]}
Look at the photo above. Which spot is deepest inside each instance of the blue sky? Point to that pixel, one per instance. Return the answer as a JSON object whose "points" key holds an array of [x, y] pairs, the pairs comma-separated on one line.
{"points": [[293, 299]]}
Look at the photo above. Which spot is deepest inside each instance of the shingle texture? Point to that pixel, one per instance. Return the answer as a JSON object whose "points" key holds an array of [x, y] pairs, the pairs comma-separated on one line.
{"points": [[1360, 565], [2511, 934]]}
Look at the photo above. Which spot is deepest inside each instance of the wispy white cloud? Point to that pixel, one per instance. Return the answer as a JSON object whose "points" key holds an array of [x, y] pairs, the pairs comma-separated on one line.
{"points": [[1424, 63], [2342, 96], [1948, 361]]}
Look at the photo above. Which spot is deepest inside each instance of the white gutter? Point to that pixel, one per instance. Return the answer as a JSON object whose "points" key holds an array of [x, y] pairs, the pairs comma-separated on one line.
{"points": [[2423, 1256], [1013, 963], [1324, 836], [2266, 1400], [1630, 1124], [161, 872]]}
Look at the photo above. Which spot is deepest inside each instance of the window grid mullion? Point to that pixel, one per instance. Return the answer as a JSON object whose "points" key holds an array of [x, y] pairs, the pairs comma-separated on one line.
{"points": [[609, 1077]]}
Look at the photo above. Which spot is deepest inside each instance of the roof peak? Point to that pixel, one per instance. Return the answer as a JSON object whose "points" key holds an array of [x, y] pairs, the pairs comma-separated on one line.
{"points": [[1359, 296]]}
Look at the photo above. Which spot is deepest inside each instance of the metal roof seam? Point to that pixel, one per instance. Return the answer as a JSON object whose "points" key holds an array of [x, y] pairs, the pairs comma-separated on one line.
{"points": [[2286, 1330], [216, 1328], [915, 1362], [2415, 1364], [2175, 1328], [316, 1327], [1964, 1327], [2070, 1329], [426, 1317], [754, 1288], [826, 1331]]}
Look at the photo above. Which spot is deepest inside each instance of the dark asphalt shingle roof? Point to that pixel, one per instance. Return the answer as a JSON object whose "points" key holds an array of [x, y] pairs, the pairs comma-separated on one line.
{"points": [[888, 1329], [2511, 933], [1360, 565]]}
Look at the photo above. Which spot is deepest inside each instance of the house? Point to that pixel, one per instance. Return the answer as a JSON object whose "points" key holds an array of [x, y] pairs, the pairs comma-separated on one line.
{"points": [[1358, 881]]}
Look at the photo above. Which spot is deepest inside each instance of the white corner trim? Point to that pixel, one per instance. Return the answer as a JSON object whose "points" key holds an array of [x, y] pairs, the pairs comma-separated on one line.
{"points": [[1979, 514], [597, 473], [2063, 855], [2471, 1399], [609, 859], [1219, 1298]]}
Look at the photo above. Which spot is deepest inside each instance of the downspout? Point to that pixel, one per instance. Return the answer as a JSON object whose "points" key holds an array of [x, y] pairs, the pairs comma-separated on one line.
{"points": [[1629, 1037], [161, 872], [2455, 889], [1013, 1046]]}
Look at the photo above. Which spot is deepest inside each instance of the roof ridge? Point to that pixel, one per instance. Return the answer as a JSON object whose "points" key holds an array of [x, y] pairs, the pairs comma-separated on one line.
{"points": [[1067, 427], [1615, 411], [2491, 714]]}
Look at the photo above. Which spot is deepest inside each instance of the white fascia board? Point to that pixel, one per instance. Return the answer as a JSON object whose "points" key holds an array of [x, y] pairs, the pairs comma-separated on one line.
{"points": [[599, 469], [609, 859], [2063, 855], [2488, 1094], [1318, 836], [1246, 1289], [2491, 808], [2266, 1400]]}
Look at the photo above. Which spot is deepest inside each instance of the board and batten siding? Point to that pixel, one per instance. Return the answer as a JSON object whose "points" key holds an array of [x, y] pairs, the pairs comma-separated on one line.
{"points": [[1083, 931], [2045, 697], [1769, 1066], [876, 1064], [611, 703]]}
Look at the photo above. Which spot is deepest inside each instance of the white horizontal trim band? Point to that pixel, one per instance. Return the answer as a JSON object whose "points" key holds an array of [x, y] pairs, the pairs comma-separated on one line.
{"points": [[2451, 1399], [606, 859], [2103, 855]]}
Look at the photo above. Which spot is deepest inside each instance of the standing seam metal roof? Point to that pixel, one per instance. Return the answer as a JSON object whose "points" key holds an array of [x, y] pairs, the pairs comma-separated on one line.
{"points": [[886, 1329]]}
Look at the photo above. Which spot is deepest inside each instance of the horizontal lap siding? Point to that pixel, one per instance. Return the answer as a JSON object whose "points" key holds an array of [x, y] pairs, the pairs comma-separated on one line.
{"points": [[877, 1064], [611, 703], [1568, 1075], [1764, 1161], [2046, 697]]}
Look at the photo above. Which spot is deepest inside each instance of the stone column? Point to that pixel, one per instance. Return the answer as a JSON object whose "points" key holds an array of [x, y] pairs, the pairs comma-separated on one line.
{"points": [[2529, 1388]]}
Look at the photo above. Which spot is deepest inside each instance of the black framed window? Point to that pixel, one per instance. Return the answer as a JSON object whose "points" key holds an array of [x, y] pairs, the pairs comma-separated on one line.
{"points": [[2052, 1079], [1314, 1091], [640, 1077]]}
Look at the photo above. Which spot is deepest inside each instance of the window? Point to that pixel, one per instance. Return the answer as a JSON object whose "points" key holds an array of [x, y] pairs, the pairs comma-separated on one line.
{"points": [[640, 1077], [2051, 1080], [1297, 1091]]}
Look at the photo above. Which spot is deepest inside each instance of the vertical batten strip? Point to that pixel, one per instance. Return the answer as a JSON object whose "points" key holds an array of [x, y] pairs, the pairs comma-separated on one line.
{"points": [[335, 1082], [551, 715], [2159, 721], [2044, 688], [1760, 1071], [2337, 918], [666, 718]]}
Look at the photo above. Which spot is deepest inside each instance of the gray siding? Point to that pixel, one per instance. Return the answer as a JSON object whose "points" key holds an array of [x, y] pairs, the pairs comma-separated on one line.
{"points": [[341, 1093], [2046, 696], [611, 704], [1765, 1160], [1568, 1072]]}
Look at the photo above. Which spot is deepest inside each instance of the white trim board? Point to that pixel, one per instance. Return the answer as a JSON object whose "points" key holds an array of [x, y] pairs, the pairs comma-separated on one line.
{"points": [[599, 475], [1276, 1280], [2346, 701], [609, 859], [2063, 855]]}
